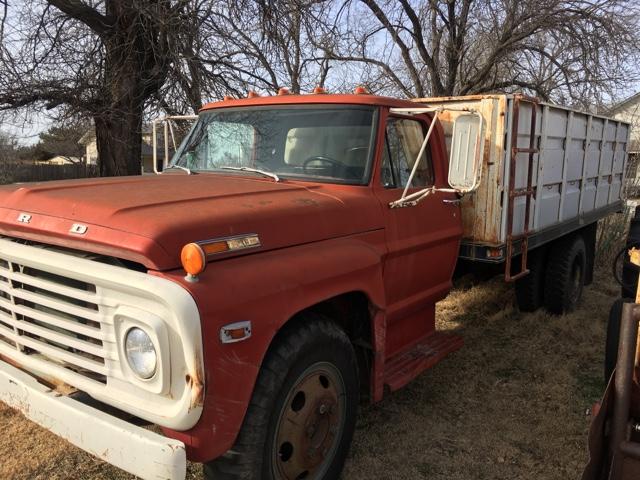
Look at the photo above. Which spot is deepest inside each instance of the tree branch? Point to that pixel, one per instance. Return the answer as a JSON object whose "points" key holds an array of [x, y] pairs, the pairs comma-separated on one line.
{"points": [[99, 23]]}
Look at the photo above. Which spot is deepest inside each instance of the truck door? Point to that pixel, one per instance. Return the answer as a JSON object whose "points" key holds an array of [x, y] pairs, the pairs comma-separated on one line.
{"points": [[422, 240]]}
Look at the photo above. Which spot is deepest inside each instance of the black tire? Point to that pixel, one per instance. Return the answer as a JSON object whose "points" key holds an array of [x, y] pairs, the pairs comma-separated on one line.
{"points": [[312, 347], [613, 337], [530, 289], [565, 274]]}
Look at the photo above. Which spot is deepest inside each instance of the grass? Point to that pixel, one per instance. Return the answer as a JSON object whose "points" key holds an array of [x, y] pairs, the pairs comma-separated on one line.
{"points": [[510, 405]]}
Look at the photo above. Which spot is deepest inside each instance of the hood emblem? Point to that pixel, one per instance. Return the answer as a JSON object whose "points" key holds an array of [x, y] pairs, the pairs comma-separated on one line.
{"points": [[78, 229], [24, 218]]}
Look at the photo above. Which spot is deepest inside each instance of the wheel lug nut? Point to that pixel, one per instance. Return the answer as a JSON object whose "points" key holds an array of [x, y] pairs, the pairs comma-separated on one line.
{"points": [[323, 409]]}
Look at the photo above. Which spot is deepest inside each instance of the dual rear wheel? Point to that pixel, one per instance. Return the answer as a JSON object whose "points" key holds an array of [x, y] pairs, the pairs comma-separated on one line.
{"points": [[557, 277]]}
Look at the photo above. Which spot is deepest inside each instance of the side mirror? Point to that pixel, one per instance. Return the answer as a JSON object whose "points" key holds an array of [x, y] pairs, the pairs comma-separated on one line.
{"points": [[467, 147]]}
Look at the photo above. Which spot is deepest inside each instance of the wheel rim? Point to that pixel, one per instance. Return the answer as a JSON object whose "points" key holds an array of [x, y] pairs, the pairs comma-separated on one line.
{"points": [[310, 424], [576, 281]]}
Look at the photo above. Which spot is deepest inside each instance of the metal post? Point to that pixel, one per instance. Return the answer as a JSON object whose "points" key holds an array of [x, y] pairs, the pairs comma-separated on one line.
{"points": [[623, 383]]}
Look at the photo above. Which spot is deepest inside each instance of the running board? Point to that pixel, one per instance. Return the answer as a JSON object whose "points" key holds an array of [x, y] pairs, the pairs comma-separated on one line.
{"points": [[404, 367]]}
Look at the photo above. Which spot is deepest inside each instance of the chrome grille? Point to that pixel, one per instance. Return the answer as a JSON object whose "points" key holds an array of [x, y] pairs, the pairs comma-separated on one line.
{"points": [[53, 317]]}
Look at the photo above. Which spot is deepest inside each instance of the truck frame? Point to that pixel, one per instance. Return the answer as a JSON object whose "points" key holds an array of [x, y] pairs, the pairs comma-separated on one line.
{"points": [[286, 264]]}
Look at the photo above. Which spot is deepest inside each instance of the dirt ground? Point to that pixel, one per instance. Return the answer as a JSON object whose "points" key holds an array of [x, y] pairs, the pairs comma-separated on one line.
{"points": [[512, 404]]}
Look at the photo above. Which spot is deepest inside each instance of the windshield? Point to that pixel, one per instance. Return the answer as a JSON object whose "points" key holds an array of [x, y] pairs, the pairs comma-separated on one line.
{"points": [[320, 143]]}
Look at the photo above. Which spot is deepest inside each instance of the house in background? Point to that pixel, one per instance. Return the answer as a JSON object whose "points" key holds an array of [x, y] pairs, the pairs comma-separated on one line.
{"points": [[60, 160], [88, 140], [628, 110]]}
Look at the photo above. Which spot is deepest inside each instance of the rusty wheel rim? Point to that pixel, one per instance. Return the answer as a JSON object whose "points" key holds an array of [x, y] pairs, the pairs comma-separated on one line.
{"points": [[310, 424]]}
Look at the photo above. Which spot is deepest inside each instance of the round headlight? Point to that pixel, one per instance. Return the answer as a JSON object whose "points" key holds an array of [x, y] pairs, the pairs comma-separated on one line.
{"points": [[141, 354]]}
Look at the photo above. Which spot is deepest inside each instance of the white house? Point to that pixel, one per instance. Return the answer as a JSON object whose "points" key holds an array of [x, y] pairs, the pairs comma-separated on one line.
{"points": [[88, 141], [628, 110]]}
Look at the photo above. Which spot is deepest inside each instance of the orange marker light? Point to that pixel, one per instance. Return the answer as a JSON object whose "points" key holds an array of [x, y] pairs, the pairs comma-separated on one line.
{"points": [[360, 90], [217, 247], [283, 91], [319, 90], [193, 259], [252, 94]]}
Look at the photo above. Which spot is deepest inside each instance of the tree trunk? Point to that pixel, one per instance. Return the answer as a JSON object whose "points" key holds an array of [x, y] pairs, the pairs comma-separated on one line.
{"points": [[119, 141], [135, 67]]}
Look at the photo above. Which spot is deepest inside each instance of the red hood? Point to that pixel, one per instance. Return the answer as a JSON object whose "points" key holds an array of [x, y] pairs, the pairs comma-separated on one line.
{"points": [[148, 219]]}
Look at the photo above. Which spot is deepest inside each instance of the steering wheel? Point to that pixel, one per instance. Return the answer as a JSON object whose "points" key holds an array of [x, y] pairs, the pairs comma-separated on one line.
{"points": [[322, 159]]}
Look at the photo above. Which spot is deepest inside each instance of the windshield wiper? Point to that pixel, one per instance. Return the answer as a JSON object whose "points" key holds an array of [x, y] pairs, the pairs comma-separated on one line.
{"points": [[256, 170], [185, 169]]}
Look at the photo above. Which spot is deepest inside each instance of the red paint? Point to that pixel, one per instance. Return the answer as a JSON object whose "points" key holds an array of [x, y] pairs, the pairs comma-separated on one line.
{"points": [[318, 241]]}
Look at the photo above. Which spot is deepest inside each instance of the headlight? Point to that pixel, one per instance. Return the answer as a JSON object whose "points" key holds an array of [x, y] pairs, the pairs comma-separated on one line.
{"points": [[141, 354]]}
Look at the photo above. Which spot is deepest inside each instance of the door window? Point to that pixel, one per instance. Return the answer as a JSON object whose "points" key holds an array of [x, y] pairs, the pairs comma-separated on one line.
{"points": [[403, 140]]}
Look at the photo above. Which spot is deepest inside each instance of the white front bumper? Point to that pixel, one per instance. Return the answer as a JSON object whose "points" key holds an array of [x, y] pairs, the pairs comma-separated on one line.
{"points": [[140, 452]]}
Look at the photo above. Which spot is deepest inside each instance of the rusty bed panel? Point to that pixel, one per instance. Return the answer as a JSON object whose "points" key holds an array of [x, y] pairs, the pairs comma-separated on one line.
{"points": [[482, 212], [579, 168]]}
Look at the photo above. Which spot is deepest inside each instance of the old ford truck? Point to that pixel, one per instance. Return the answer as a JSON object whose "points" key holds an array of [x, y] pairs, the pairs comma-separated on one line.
{"points": [[284, 265]]}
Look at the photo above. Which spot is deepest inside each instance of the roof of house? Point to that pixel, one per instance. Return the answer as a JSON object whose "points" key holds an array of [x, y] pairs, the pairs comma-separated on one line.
{"points": [[88, 137], [624, 103]]}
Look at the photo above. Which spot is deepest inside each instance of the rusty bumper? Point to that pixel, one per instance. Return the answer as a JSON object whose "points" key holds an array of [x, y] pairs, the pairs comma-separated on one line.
{"points": [[136, 450]]}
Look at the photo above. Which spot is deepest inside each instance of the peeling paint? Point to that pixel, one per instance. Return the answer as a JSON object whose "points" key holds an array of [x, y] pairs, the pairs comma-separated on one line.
{"points": [[195, 383]]}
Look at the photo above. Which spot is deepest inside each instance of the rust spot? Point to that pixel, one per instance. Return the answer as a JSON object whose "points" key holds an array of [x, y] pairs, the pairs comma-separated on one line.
{"points": [[195, 383], [55, 384], [10, 361]]}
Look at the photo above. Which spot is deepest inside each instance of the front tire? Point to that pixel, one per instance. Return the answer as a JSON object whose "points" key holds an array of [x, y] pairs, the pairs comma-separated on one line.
{"points": [[302, 414]]}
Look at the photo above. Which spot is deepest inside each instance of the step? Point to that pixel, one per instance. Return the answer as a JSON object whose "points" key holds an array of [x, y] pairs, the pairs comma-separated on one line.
{"points": [[404, 367]]}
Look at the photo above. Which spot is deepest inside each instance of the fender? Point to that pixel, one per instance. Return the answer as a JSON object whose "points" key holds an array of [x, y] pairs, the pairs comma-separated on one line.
{"points": [[268, 289]]}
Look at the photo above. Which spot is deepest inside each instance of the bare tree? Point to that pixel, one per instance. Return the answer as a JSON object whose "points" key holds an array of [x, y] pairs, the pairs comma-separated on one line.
{"points": [[8, 147], [104, 58], [266, 45], [562, 49]]}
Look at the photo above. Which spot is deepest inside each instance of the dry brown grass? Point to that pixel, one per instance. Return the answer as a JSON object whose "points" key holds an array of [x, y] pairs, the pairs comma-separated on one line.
{"points": [[510, 405]]}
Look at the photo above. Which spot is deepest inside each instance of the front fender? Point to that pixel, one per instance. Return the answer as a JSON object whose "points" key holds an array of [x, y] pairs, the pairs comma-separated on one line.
{"points": [[267, 289]]}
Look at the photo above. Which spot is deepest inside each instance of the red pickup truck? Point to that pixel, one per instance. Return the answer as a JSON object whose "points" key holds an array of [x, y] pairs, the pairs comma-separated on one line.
{"points": [[284, 265]]}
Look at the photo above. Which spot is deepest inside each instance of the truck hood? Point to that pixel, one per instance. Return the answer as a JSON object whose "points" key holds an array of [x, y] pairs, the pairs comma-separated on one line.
{"points": [[148, 219]]}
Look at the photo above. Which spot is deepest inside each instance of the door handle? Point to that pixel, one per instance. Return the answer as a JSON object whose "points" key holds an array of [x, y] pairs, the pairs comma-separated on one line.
{"points": [[455, 201]]}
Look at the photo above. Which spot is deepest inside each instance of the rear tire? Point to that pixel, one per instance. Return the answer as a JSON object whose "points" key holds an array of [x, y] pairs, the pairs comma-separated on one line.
{"points": [[564, 279], [302, 414], [530, 289]]}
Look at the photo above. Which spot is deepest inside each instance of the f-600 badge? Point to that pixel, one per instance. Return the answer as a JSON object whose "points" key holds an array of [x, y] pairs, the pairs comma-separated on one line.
{"points": [[78, 229], [24, 218]]}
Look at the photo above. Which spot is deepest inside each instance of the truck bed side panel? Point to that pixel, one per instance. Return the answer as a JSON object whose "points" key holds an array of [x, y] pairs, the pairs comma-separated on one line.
{"points": [[579, 168]]}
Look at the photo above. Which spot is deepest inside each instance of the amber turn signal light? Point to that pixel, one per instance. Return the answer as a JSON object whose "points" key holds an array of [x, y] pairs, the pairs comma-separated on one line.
{"points": [[193, 259]]}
